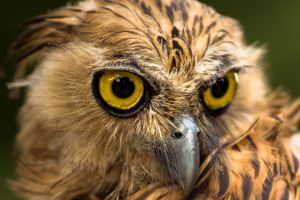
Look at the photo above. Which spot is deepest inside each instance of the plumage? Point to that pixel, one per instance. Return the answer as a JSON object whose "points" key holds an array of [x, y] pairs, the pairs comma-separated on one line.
{"points": [[75, 144]]}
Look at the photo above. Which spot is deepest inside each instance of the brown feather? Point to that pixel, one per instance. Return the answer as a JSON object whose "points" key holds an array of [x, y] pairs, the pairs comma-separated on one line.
{"points": [[71, 148]]}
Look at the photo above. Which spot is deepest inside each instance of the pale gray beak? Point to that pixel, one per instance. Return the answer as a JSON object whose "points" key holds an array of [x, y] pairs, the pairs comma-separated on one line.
{"points": [[181, 153]]}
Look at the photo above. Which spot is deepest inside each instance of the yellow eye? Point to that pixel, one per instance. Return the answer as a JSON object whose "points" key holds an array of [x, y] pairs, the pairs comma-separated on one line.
{"points": [[221, 94], [119, 92]]}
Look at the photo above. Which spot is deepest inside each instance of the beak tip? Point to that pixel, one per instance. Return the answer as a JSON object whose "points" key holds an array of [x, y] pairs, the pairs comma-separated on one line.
{"points": [[189, 172]]}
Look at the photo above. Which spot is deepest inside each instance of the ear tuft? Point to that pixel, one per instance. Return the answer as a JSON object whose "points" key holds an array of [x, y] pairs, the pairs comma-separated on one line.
{"points": [[44, 33]]}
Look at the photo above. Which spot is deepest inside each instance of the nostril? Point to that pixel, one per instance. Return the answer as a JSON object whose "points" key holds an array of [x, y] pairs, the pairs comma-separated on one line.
{"points": [[177, 135]]}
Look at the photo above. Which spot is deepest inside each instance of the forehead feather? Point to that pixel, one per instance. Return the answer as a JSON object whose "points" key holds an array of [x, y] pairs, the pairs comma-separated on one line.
{"points": [[174, 33]]}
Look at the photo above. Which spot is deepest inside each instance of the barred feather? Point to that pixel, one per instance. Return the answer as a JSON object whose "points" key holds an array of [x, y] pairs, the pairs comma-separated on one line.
{"points": [[260, 164]]}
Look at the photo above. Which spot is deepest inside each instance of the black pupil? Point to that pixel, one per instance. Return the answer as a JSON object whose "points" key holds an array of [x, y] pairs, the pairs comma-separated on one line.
{"points": [[123, 87], [220, 88]]}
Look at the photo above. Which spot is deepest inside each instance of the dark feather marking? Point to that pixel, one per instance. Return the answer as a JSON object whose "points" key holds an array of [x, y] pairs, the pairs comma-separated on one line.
{"points": [[221, 37], [236, 148], [81, 197], [147, 10], [133, 32], [146, 194], [146, 34], [178, 55], [247, 187], [190, 51], [276, 171], [164, 44], [201, 25], [175, 32], [149, 37], [176, 45], [296, 163], [280, 167], [28, 36], [139, 47], [118, 15], [119, 55], [189, 37], [62, 26], [234, 197], [48, 40], [206, 170], [32, 51], [294, 113], [291, 171], [51, 36], [198, 21], [210, 26], [285, 195], [184, 12], [162, 196], [170, 13], [174, 63], [153, 44], [91, 11], [292, 174], [42, 18], [23, 38], [142, 20], [159, 5], [267, 187], [55, 25], [224, 63], [174, 6], [73, 9], [194, 193], [224, 181], [256, 166], [196, 17], [208, 40], [121, 16], [249, 139], [110, 190]]}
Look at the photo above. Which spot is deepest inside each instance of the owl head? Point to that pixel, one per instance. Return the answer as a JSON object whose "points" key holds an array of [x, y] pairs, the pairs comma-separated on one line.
{"points": [[126, 93]]}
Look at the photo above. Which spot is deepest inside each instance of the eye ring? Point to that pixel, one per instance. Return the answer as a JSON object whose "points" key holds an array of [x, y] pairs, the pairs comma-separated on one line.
{"points": [[118, 99], [219, 96]]}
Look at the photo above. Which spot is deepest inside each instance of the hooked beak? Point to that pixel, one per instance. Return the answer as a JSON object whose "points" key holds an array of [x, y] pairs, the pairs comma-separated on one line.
{"points": [[181, 153]]}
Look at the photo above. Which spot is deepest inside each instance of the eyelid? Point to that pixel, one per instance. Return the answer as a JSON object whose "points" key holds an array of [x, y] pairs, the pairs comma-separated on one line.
{"points": [[209, 83], [132, 68]]}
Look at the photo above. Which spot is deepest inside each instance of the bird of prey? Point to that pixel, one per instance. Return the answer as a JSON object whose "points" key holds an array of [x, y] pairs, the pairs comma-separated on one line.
{"points": [[149, 99]]}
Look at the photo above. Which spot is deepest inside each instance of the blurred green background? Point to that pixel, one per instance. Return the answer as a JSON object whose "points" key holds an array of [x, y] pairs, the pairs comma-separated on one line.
{"points": [[272, 22]]}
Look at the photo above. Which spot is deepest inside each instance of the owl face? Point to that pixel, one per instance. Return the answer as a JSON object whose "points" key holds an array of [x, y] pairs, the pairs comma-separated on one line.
{"points": [[152, 86]]}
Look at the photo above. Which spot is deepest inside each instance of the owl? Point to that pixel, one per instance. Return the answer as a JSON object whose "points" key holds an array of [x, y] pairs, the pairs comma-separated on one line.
{"points": [[156, 99]]}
